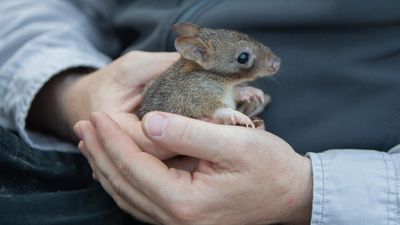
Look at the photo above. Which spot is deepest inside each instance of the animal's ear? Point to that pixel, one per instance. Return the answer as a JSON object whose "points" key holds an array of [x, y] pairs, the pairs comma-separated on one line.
{"points": [[194, 49], [186, 29]]}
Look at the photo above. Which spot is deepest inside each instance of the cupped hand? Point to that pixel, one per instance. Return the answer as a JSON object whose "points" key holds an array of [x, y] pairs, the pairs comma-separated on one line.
{"points": [[244, 176], [132, 126], [75, 93], [117, 87]]}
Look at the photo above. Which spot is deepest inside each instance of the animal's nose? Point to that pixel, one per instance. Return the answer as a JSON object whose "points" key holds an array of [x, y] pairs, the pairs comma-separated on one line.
{"points": [[276, 62]]}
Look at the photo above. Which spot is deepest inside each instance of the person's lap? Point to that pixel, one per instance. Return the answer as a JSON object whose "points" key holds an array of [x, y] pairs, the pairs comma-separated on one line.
{"points": [[39, 187]]}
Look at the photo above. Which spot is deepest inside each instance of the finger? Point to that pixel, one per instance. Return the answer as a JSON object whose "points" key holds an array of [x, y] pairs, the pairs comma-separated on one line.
{"points": [[130, 124], [196, 138], [94, 152], [138, 167], [112, 180], [122, 202]]}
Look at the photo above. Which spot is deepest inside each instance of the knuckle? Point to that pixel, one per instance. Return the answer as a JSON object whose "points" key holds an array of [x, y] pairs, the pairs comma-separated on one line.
{"points": [[117, 186], [184, 212], [187, 135], [123, 168]]}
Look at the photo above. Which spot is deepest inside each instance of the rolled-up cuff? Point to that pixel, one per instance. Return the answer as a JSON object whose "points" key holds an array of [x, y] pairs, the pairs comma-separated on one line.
{"points": [[354, 187], [41, 69]]}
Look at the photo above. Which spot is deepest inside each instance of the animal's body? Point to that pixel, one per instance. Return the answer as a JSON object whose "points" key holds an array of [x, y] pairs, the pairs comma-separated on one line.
{"points": [[205, 81]]}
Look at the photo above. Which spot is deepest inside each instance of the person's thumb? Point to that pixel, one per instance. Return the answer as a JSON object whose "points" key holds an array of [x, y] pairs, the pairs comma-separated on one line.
{"points": [[190, 137], [149, 65]]}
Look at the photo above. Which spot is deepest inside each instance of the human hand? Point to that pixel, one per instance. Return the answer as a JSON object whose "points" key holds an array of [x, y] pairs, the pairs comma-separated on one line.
{"points": [[131, 124], [117, 87], [245, 176], [71, 96]]}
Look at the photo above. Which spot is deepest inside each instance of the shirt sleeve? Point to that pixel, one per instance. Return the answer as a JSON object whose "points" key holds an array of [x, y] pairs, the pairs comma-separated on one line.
{"points": [[356, 187], [40, 39]]}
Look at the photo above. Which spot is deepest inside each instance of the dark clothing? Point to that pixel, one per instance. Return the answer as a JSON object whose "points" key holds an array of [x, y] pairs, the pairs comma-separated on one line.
{"points": [[339, 82], [50, 188]]}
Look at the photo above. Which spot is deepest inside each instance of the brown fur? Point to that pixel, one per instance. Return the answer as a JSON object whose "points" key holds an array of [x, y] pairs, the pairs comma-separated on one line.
{"points": [[195, 85]]}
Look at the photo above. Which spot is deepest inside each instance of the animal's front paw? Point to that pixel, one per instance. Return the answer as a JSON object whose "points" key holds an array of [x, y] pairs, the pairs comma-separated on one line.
{"points": [[251, 101], [248, 94], [233, 117]]}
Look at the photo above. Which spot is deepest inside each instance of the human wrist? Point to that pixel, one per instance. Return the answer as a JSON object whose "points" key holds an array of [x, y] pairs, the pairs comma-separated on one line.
{"points": [[58, 104], [301, 195], [75, 97]]}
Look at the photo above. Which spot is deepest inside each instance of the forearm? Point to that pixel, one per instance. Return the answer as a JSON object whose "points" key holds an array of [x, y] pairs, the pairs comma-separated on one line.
{"points": [[36, 47], [52, 111]]}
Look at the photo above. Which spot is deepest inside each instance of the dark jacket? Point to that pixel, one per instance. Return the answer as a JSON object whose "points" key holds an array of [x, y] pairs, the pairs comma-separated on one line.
{"points": [[339, 83]]}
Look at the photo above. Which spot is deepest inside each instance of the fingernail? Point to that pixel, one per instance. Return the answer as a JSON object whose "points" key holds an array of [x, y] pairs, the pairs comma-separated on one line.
{"points": [[78, 130], [155, 124]]}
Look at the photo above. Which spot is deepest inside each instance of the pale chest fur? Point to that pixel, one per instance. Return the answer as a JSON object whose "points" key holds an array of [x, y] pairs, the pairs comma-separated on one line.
{"points": [[229, 97]]}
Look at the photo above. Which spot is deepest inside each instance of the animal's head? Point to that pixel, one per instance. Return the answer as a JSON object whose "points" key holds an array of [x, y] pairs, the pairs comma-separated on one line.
{"points": [[225, 51]]}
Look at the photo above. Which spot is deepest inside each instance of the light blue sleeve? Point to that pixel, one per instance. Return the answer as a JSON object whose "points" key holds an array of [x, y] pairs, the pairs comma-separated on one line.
{"points": [[39, 39], [356, 187]]}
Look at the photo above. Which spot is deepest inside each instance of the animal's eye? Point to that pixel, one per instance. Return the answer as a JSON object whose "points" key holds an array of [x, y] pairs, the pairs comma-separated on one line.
{"points": [[243, 58]]}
